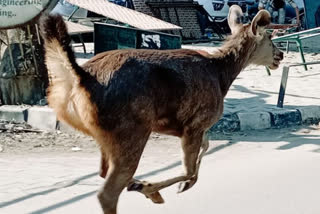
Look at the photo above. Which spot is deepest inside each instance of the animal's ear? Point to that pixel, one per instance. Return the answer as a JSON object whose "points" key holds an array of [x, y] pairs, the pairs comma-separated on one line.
{"points": [[235, 18], [259, 22]]}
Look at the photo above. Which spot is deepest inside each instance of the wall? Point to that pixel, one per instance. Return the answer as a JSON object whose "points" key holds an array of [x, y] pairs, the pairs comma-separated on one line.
{"points": [[183, 13]]}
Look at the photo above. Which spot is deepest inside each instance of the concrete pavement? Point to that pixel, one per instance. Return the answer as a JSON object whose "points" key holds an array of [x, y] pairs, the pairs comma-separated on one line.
{"points": [[274, 171]]}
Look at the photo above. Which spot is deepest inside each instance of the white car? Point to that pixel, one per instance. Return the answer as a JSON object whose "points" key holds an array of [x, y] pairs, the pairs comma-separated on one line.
{"points": [[216, 8], [219, 9]]}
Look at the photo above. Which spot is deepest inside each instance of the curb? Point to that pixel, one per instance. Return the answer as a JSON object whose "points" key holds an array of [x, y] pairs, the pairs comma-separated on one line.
{"points": [[18, 114], [39, 117], [44, 118], [279, 118]]}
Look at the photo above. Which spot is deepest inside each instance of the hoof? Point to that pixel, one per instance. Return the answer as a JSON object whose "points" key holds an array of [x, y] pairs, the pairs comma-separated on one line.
{"points": [[140, 186], [135, 186], [155, 197], [185, 185]]}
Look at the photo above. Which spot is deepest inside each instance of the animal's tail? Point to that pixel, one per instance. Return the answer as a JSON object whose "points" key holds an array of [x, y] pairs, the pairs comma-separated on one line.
{"points": [[67, 93], [59, 57]]}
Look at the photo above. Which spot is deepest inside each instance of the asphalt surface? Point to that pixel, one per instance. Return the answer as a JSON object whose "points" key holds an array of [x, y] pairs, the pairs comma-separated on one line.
{"points": [[270, 171]]}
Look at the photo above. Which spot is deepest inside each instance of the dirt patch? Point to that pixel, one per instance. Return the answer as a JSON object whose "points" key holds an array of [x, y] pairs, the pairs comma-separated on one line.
{"points": [[22, 139], [23, 142]]}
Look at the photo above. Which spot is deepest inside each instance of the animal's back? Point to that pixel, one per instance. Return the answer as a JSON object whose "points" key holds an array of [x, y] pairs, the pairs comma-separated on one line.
{"points": [[105, 63], [158, 88]]}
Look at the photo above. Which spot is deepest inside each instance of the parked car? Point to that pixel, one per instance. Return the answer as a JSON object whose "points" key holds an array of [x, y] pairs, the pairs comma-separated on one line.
{"points": [[216, 8]]}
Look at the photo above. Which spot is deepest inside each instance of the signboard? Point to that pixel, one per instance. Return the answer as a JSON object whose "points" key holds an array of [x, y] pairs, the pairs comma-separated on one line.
{"points": [[120, 37], [14, 13]]}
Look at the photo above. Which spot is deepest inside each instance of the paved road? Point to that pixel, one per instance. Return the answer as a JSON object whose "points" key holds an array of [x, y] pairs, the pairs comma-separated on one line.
{"points": [[275, 171]]}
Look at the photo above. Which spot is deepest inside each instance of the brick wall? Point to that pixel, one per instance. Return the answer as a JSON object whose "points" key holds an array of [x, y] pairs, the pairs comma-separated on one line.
{"points": [[140, 5], [189, 21], [187, 15]]}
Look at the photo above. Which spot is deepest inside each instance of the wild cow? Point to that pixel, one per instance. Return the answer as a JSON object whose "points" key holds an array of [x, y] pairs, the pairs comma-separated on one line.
{"points": [[119, 97]]}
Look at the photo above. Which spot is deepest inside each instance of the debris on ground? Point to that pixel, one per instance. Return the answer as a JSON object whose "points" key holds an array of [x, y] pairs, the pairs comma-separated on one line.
{"points": [[11, 126], [76, 149], [23, 138]]}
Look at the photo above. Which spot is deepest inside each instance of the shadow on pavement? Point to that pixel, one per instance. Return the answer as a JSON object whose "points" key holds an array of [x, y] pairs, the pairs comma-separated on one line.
{"points": [[178, 163], [64, 203], [248, 103], [45, 192], [293, 140], [288, 94]]}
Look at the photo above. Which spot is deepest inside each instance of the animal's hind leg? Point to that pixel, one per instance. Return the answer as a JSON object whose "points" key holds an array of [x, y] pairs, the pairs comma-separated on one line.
{"points": [[123, 158], [194, 147], [151, 190], [191, 144], [204, 148]]}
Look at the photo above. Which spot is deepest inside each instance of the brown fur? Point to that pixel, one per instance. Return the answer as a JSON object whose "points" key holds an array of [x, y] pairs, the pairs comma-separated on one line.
{"points": [[119, 97]]}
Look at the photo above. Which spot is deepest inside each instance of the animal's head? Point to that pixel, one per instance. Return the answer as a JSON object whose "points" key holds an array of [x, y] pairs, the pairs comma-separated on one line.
{"points": [[265, 52]]}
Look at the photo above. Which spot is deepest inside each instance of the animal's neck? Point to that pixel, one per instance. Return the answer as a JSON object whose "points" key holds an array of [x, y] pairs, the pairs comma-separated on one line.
{"points": [[232, 58]]}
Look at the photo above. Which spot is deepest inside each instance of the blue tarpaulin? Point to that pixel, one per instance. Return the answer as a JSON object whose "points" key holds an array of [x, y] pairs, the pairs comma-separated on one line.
{"points": [[312, 12]]}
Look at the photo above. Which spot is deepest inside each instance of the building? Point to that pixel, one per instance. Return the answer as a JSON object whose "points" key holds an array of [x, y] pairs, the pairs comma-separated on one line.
{"points": [[185, 13]]}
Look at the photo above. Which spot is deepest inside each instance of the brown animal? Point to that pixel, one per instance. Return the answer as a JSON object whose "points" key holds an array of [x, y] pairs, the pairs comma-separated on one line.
{"points": [[119, 97]]}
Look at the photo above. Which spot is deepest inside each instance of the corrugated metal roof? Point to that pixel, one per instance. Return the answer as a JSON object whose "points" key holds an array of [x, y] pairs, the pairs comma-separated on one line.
{"points": [[74, 28], [124, 15]]}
